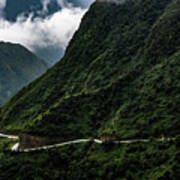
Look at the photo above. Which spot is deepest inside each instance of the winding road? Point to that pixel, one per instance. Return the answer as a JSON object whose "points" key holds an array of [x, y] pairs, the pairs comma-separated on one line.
{"points": [[17, 149], [78, 141], [16, 146], [9, 136]]}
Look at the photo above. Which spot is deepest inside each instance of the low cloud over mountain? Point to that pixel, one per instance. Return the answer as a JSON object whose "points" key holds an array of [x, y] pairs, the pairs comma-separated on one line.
{"points": [[46, 36]]}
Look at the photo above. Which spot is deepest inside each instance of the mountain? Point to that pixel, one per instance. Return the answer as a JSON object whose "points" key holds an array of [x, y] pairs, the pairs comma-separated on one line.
{"points": [[119, 76], [18, 66], [119, 79]]}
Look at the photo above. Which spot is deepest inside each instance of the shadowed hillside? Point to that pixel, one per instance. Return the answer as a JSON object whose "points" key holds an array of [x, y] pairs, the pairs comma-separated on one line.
{"points": [[119, 79], [18, 67], [119, 76]]}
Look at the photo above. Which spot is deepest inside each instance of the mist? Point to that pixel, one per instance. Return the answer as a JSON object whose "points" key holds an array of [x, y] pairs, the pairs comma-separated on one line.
{"points": [[47, 37], [2, 6]]}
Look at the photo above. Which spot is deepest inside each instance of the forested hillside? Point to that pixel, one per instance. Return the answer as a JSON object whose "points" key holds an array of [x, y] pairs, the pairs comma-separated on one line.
{"points": [[18, 66], [119, 76], [119, 79], [152, 161]]}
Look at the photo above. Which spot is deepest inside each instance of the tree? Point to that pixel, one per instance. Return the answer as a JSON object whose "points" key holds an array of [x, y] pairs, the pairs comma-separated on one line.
{"points": [[177, 141]]}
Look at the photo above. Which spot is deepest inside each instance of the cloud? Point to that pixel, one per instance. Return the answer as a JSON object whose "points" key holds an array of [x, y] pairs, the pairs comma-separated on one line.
{"points": [[62, 3], [45, 4], [55, 29], [38, 33], [2, 6], [47, 37], [81, 3]]}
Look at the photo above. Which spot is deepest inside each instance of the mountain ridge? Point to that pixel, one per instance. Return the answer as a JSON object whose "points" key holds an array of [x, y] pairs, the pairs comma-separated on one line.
{"points": [[18, 66]]}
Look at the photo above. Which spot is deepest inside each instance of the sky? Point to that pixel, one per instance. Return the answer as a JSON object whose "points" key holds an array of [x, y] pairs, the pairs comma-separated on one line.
{"points": [[113, 1], [48, 37], [2, 6]]}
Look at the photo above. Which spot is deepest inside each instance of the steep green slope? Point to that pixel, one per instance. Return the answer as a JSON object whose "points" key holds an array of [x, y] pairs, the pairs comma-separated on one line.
{"points": [[18, 67], [120, 76]]}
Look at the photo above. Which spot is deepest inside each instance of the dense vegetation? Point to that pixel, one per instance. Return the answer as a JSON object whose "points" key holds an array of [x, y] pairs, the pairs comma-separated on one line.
{"points": [[5, 145], [120, 76], [18, 67], [155, 161]]}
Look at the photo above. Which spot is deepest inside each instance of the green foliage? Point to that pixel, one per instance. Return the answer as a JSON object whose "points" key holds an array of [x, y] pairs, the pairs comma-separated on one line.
{"points": [[112, 79], [119, 77], [5, 145], [177, 141], [90, 161]]}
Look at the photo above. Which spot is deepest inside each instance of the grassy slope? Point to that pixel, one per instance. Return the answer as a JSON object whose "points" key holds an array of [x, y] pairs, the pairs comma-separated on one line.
{"points": [[18, 67], [119, 76]]}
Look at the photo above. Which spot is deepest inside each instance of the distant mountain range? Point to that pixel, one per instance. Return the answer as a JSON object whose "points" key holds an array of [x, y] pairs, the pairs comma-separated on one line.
{"points": [[18, 67]]}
